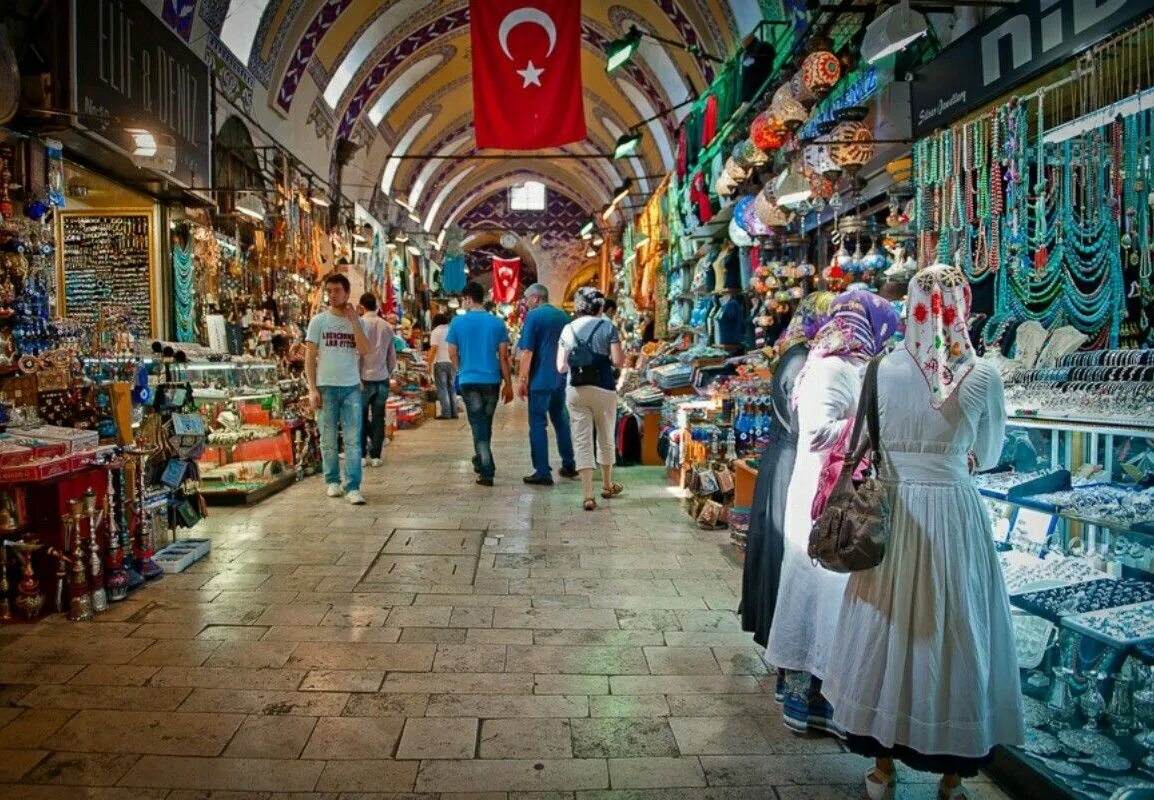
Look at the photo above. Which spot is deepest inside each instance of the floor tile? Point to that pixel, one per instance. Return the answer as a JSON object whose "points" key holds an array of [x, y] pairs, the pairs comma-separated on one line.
{"points": [[160, 733], [512, 738], [529, 775], [616, 737], [352, 738], [641, 773], [438, 739], [271, 737]]}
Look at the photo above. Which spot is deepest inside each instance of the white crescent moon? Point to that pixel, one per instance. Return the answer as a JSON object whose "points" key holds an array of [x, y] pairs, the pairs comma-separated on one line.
{"points": [[533, 16]]}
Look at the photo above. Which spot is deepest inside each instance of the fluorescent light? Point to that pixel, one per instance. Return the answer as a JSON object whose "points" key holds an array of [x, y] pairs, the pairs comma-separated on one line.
{"points": [[622, 191], [626, 145], [791, 189], [401, 236], [598, 241], [402, 203], [391, 245], [319, 198], [895, 28], [414, 218], [362, 249], [587, 229], [620, 52], [143, 142], [644, 240], [358, 238], [414, 249], [536, 238], [591, 253], [250, 205]]}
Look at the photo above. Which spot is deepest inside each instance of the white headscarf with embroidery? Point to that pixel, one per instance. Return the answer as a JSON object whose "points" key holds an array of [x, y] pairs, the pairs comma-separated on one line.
{"points": [[937, 333]]}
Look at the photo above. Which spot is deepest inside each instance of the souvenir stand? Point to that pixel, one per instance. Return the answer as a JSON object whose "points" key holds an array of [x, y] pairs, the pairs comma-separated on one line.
{"points": [[1042, 201]]}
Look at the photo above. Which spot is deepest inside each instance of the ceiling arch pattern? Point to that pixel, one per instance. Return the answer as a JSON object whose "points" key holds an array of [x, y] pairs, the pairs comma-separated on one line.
{"points": [[488, 195], [302, 55], [408, 79]]}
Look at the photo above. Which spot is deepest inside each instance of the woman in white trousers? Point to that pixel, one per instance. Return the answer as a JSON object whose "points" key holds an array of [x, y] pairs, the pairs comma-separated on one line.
{"points": [[589, 352]]}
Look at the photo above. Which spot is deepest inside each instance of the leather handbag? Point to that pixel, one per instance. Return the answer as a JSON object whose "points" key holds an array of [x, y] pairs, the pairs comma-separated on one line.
{"points": [[852, 531]]}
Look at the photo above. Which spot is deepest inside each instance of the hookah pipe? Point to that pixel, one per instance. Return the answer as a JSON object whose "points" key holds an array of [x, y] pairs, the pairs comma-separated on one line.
{"points": [[117, 581], [29, 601], [95, 565], [144, 550], [135, 579], [62, 562], [79, 593], [5, 603]]}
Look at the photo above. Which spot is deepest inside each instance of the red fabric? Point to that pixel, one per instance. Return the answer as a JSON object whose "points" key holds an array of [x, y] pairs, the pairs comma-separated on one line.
{"points": [[700, 196], [526, 83], [682, 153], [506, 278], [709, 121]]}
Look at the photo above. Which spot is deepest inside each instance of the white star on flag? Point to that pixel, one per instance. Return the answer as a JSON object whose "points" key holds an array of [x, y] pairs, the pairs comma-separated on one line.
{"points": [[531, 75]]}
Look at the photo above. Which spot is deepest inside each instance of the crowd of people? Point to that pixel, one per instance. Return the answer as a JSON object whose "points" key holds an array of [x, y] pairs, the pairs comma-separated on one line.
{"points": [[566, 372], [914, 659]]}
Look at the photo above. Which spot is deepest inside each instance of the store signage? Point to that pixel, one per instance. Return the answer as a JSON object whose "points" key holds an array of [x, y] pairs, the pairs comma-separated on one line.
{"points": [[126, 63], [858, 92], [1008, 49]]}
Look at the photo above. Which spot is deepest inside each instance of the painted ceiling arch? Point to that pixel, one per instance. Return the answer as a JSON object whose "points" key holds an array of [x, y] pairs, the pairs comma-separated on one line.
{"points": [[399, 72]]}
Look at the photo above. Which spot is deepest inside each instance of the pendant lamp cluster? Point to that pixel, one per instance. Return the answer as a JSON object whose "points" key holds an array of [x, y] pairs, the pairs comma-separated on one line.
{"points": [[808, 172]]}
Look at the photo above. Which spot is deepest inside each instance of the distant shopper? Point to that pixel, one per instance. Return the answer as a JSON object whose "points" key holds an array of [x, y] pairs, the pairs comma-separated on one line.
{"points": [[589, 350], [336, 342], [543, 386], [479, 349], [376, 368], [444, 373]]}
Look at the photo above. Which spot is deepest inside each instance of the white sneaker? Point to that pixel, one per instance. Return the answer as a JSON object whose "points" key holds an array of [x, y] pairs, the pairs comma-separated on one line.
{"points": [[365, 461], [334, 490], [355, 498], [376, 462], [385, 442]]}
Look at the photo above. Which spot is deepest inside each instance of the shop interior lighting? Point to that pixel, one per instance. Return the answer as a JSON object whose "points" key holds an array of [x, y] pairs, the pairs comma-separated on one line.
{"points": [[895, 29], [591, 252], [391, 245], [360, 248], [402, 204], [401, 236], [626, 145], [536, 237], [791, 189], [143, 142], [598, 241], [620, 51], [414, 249], [414, 218], [250, 205], [644, 240], [318, 198], [587, 229]]}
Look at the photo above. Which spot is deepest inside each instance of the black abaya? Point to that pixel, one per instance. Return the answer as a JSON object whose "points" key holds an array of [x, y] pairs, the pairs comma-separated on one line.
{"points": [[766, 538]]}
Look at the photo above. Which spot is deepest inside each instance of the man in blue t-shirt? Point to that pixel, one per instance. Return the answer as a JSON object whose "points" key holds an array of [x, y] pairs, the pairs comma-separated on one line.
{"points": [[479, 349], [539, 381]]}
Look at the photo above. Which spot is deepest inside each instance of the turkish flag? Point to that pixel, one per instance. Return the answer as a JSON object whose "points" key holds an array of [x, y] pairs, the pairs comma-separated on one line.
{"points": [[527, 73], [506, 276]]}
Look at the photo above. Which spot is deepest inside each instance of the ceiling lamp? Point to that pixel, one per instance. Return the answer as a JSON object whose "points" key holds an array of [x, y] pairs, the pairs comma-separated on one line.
{"points": [[401, 236], [820, 72], [626, 145], [799, 89], [587, 229], [747, 153], [250, 206], [620, 51], [853, 146], [768, 212], [788, 109], [318, 198], [536, 238], [414, 250], [791, 189], [143, 142], [591, 252], [767, 132], [894, 29], [817, 158]]}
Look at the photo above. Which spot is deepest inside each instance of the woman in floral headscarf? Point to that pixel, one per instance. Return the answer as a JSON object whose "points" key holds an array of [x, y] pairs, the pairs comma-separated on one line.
{"points": [[767, 513], [825, 399], [925, 670]]}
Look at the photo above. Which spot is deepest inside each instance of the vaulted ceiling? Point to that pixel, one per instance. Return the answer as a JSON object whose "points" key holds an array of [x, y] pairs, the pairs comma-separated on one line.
{"points": [[395, 76]]}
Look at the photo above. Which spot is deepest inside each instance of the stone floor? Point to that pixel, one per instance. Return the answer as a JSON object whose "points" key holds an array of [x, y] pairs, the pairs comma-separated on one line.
{"points": [[445, 640]]}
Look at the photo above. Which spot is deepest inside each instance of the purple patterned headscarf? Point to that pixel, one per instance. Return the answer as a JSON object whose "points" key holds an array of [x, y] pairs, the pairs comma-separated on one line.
{"points": [[860, 324], [809, 317]]}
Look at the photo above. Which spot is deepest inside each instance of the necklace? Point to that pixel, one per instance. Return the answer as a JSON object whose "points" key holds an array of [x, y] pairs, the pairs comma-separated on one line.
{"points": [[184, 294]]}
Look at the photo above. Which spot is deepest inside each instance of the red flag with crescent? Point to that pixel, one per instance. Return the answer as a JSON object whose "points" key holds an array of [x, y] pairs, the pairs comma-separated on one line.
{"points": [[526, 73], [506, 279]]}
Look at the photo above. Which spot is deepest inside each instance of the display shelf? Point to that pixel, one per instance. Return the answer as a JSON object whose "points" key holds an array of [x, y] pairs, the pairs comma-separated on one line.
{"points": [[236, 495], [1123, 427], [1145, 528]]}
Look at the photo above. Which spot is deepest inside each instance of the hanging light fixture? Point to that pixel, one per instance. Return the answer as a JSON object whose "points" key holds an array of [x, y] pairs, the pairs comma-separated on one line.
{"points": [[788, 109], [620, 51], [766, 131], [895, 29], [250, 206], [852, 147], [768, 212], [143, 142], [820, 72], [591, 252], [626, 145], [791, 189], [401, 236]]}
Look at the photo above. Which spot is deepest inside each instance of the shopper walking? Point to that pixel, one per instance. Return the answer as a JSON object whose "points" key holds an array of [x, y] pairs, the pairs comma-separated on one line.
{"points": [[925, 670], [824, 400], [539, 381], [444, 373], [479, 350], [335, 343], [766, 537], [589, 350], [376, 367]]}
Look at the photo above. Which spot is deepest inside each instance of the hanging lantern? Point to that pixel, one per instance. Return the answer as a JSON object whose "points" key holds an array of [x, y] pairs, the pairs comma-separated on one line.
{"points": [[748, 154], [745, 214], [818, 160], [735, 171], [854, 146], [724, 186], [799, 90], [787, 108], [820, 72], [737, 234], [768, 212], [767, 132]]}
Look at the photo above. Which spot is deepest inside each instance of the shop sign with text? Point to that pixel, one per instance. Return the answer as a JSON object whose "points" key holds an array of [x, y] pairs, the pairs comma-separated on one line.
{"points": [[128, 64], [1010, 48]]}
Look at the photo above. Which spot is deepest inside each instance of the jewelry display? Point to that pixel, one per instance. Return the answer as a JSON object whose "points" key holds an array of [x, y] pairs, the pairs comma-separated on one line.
{"points": [[107, 265], [1081, 598]]}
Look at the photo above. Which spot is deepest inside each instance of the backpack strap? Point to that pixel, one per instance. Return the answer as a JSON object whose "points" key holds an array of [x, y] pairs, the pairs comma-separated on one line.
{"points": [[592, 332], [866, 417]]}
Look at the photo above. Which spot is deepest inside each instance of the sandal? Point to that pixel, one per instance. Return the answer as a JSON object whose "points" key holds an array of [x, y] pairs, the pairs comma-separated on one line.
{"points": [[613, 490], [879, 785], [590, 504]]}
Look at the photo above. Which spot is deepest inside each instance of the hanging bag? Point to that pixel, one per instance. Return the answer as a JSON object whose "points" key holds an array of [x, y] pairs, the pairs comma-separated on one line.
{"points": [[852, 531]]}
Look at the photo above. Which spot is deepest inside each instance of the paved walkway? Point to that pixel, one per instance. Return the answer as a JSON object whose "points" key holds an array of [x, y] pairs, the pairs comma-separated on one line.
{"points": [[444, 640]]}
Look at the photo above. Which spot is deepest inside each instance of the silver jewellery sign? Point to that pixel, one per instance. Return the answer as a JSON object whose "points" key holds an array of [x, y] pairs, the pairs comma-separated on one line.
{"points": [[1008, 49]]}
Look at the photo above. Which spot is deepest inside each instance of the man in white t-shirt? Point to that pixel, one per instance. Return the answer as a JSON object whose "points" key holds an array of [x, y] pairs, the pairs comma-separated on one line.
{"points": [[335, 344], [444, 373]]}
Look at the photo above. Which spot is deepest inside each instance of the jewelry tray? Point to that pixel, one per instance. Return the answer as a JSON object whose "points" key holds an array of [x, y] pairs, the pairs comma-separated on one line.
{"points": [[1121, 626], [1089, 595]]}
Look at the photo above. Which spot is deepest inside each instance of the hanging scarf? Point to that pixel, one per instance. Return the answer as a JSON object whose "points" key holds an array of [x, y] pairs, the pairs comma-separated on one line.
{"points": [[860, 324], [937, 333], [811, 314]]}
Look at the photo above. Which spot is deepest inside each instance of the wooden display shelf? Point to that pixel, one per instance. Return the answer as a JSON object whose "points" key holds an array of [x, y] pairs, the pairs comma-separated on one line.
{"points": [[240, 497]]}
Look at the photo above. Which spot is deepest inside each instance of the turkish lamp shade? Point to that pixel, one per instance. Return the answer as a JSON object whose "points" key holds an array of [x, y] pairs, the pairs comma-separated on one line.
{"points": [[817, 159], [853, 146], [788, 109], [800, 91], [768, 212], [767, 132], [820, 72], [738, 235], [901, 170], [749, 154], [735, 170], [725, 186]]}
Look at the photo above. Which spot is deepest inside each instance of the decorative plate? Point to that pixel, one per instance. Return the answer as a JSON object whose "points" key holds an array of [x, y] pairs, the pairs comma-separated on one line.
{"points": [[1091, 743]]}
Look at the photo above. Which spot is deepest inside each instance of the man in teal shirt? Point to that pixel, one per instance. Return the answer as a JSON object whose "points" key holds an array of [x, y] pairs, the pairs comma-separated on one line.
{"points": [[478, 345], [543, 386]]}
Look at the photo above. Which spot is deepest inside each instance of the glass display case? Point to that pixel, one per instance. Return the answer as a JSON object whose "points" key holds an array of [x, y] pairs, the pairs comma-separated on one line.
{"points": [[1072, 506], [249, 452]]}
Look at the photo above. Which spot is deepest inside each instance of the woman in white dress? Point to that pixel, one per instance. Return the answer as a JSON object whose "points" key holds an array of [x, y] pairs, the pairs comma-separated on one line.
{"points": [[809, 597], [925, 669]]}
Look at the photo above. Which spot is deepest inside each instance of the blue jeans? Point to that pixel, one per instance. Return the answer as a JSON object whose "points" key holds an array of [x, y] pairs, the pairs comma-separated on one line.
{"points": [[480, 405], [376, 394], [549, 406], [446, 378], [341, 405]]}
